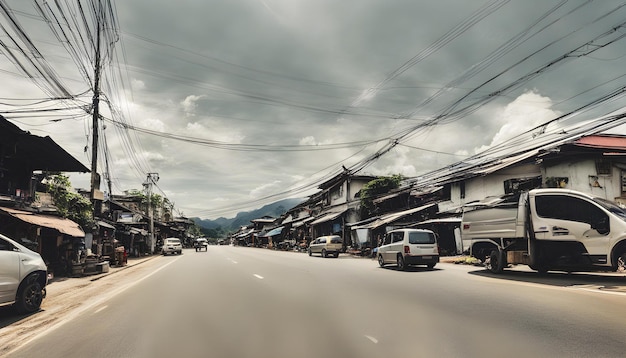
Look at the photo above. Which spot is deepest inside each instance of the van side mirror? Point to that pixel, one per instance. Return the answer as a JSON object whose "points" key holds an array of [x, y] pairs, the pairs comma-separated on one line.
{"points": [[601, 225]]}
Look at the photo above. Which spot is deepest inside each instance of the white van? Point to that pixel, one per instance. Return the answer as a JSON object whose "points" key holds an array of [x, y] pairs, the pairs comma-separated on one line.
{"points": [[405, 247]]}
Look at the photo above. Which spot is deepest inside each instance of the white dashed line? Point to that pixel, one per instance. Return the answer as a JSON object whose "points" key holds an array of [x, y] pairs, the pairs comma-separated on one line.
{"points": [[374, 340], [258, 276], [101, 309], [231, 260]]}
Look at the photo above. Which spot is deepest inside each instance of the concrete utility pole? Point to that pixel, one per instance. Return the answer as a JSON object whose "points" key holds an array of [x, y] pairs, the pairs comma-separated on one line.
{"points": [[96, 116], [150, 180]]}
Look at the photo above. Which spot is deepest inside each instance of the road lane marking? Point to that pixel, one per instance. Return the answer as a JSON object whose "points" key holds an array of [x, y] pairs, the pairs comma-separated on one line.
{"points": [[231, 260], [374, 340], [100, 309], [79, 310], [258, 276]]}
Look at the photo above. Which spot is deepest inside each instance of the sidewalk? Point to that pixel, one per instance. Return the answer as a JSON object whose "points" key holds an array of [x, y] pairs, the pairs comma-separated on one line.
{"points": [[62, 283]]}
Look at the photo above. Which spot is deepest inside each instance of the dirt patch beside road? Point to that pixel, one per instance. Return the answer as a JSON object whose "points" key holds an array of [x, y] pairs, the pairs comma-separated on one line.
{"points": [[67, 297]]}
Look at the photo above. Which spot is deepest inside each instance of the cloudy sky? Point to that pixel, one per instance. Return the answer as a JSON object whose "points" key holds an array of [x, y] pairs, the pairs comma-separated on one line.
{"points": [[237, 103]]}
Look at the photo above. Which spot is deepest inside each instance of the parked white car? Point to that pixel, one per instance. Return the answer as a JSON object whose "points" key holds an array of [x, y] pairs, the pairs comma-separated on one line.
{"points": [[172, 245], [406, 247], [23, 276]]}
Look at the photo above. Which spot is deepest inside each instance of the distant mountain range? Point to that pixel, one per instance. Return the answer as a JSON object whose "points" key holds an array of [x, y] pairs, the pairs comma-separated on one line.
{"points": [[244, 218]]}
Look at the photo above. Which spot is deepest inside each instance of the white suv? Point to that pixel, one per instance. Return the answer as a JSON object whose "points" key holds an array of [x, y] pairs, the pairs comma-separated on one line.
{"points": [[406, 247], [23, 276], [172, 245]]}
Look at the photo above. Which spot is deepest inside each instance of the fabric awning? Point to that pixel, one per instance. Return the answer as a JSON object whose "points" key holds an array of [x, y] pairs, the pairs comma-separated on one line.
{"points": [[274, 232], [64, 226]]}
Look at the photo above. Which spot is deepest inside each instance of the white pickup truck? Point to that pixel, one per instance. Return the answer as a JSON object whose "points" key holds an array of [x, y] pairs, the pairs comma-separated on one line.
{"points": [[547, 229]]}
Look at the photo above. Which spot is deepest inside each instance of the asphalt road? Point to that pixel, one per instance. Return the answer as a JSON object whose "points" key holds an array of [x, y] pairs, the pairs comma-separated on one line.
{"points": [[246, 302]]}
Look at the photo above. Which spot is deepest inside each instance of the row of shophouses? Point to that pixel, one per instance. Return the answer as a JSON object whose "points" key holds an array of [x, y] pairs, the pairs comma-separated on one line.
{"points": [[582, 158], [121, 227]]}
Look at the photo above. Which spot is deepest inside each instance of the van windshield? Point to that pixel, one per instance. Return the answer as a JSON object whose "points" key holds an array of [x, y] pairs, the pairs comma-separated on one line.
{"points": [[421, 238], [611, 207]]}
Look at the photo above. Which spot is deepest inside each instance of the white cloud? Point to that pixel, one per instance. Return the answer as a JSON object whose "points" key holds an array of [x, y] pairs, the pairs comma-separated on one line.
{"points": [[310, 72], [266, 189], [138, 85], [152, 124], [308, 140], [190, 104], [524, 113]]}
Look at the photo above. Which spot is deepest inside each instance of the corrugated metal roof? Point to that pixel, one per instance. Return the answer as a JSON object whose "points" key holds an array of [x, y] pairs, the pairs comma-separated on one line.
{"points": [[389, 218], [602, 141], [497, 158], [64, 226], [327, 217], [506, 162], [302, 222]]}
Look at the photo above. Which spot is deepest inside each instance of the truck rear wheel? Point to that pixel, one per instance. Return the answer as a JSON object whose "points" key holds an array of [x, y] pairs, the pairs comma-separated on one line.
{"points": [[497, 261]]}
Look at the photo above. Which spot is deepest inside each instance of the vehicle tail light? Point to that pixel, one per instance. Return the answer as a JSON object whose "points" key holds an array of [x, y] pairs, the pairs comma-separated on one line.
{"points": [[407, 250]]}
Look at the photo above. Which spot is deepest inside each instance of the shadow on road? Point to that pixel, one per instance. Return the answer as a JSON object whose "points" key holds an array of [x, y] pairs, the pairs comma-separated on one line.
{"points": [[613, 281], [410, 269], [9, 316]]}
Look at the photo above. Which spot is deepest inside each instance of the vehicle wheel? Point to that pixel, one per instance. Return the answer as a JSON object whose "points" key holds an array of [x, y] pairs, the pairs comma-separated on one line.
{"points": [[401, 264], [431, 265], [336, 254], [539, 268], [381, 261], [29, 297], [324, 253], [310, 253], [180, 252], [621, 263], [496, 261]]}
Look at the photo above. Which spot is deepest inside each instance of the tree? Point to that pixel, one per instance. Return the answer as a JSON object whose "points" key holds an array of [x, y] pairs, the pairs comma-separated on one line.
{"points": [[376, 187], [195, 231], [157, 202], [69, 204]]}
